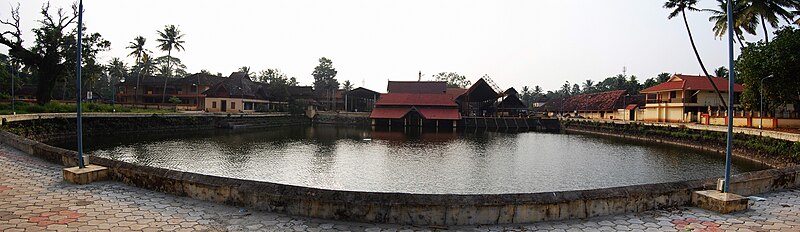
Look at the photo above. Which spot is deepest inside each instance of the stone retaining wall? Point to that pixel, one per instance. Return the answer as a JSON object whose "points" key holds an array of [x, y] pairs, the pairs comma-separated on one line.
{"points": [[343, 118], [406, 208]]}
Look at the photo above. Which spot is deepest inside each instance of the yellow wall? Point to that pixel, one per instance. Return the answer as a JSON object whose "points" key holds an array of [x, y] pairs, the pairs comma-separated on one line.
{"points": [[786, 123], [663, 114]]}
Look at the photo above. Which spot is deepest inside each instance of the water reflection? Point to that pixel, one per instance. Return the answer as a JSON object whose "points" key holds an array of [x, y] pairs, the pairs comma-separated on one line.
{"points": [[414, 160]]}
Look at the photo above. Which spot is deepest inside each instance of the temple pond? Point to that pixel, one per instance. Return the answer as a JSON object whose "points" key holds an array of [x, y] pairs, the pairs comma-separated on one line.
{"points": [[460, 162]]}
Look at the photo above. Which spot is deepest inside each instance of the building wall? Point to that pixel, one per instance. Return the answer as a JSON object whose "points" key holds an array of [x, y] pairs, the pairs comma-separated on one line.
{"points": [[236, 105], [664, 112]]}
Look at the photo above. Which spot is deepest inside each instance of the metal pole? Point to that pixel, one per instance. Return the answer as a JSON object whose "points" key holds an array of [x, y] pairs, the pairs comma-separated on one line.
{"points": [[731, 74], [78, 83], [13, 97], [197, 91], [113, 95]]}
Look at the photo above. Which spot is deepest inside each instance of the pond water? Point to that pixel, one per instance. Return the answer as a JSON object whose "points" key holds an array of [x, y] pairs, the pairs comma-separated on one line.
{"points": [[462, 162]]}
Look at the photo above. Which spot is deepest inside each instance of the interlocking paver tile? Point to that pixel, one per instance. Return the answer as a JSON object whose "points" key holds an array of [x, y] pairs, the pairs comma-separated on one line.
{"points": [[33, 197]]}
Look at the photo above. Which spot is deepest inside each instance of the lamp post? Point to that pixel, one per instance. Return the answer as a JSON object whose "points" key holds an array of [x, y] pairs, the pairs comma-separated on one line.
{"points": [[731, 75], [78, 83], [761, 93], [13, 97]]}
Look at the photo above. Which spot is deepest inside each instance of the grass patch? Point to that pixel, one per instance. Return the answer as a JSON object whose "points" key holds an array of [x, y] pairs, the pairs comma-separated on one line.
{"points": [[55, 107]]}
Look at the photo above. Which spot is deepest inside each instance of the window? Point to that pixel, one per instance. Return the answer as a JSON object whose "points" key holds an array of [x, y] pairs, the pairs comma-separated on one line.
{"points": [[248, 106], [194, 88], [213, 105], [673, 94], [233, 105]]}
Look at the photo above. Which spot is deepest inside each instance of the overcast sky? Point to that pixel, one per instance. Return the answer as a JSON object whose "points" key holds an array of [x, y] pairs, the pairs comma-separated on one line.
{"points": [[517, 43]]}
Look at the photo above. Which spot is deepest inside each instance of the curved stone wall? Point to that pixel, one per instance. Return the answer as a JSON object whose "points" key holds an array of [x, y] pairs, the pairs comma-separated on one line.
{"points": [[406, 208]]}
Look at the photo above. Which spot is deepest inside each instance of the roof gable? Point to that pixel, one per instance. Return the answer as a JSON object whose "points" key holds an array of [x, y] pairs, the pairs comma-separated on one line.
{"points": [[689, 82]]}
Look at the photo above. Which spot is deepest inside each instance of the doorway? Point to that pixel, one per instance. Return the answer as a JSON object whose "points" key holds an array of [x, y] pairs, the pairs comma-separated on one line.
{"points": [[224, 105]]}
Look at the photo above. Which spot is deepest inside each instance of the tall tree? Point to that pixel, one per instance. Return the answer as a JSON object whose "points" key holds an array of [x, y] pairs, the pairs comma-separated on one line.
{"points": [[778, 59], [453, 79], [325, 82], [52, 57], [565, 89], [663, 77], [770, 11], [588, 86], [742, 23], [246, 69], [347, 86], [680, 7], [170, 38], [116, 70], [139, 52], [722, 71]]}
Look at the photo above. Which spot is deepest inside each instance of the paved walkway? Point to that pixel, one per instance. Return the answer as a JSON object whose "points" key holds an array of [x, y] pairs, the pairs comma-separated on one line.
{"points": [[33, 197]]}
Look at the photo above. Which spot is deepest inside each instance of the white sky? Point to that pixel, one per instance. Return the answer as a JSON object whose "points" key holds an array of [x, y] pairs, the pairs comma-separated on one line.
{"points": [[517, 43]]}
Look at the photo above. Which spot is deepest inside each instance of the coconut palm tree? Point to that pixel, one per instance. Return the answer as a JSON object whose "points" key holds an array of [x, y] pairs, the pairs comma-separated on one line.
{"points": [[680, 7], [116, 70], [770, 11], [138, 51], [742, 23], [588, 86], [170, 38]]}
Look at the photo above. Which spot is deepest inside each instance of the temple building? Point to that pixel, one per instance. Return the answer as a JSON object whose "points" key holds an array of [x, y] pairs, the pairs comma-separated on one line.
{"points": [[416, 104]]}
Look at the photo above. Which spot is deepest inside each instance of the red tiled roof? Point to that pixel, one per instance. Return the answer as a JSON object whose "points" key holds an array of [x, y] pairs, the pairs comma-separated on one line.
{"points": [[430, 87], [455, 92], [439, 113], [603, 101], [408, 99], [631, 106], [389, 113], [687, 82]]}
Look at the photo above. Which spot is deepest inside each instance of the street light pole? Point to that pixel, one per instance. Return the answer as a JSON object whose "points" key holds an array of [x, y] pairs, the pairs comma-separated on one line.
{"points": [[13, 97], [761, 93], [731, 75], [78, 83]]}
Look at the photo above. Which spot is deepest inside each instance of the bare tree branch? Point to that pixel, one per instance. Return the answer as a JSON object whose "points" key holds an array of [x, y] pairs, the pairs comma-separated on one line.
{"points": [[15, 17]]}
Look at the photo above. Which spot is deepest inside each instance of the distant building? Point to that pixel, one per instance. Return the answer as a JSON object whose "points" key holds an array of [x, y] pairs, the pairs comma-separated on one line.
{"points": [[238, 93], [511, 105], [360, 100], [603, 105], [480, 100], [416, 104], [141, 90], [683, 98]]}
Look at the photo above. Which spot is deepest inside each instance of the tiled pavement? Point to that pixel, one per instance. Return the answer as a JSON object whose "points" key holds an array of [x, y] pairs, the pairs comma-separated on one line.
{"points": [[33, 197]]}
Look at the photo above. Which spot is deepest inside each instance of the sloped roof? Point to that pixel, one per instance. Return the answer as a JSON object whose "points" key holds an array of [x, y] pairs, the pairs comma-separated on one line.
{"points": [[431, 87], [238, 84], [603, 101], [478, 92], [511, 91], [144, 80], [361, 91], [689, 82], [409, 99], [454, 93], [389, 113], [512, 102], [439, 113], [204, 79]]}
